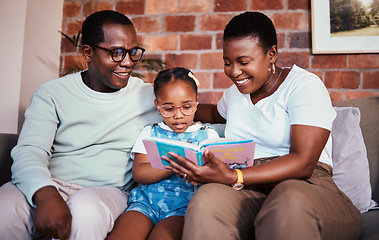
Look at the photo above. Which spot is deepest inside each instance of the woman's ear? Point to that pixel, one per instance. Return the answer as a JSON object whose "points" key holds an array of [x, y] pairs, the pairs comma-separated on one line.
{"points": [[87, 53], [273, 54]]}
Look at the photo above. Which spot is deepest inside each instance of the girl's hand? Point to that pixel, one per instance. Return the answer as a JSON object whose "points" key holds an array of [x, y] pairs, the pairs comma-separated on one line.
{"points": [[144, 173], [214, 171]]}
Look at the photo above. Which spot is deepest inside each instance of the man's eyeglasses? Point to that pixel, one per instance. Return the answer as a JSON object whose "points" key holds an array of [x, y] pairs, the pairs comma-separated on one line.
{"points": [[118, 54], [186, 108]]}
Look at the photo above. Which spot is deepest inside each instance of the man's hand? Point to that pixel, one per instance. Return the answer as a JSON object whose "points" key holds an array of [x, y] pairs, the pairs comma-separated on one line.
{"points": [[52, 216]]}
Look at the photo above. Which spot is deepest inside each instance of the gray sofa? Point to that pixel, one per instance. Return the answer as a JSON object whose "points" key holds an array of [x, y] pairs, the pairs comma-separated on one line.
{"points": [[369, 110]]}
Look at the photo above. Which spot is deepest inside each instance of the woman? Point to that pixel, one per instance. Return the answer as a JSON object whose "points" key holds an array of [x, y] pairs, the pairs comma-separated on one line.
{"points": [[289, 193]]}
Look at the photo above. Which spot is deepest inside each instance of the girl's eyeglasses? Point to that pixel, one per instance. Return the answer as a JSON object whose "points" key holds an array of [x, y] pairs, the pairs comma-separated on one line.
{"points": [[118, 54], [169, 110]]}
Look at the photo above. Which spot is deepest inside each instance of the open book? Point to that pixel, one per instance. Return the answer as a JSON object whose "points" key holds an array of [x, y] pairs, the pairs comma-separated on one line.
{"points": [[236, 153]]}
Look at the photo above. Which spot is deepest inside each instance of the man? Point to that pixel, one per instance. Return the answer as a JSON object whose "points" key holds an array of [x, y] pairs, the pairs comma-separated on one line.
{"points": [[72, 165]]}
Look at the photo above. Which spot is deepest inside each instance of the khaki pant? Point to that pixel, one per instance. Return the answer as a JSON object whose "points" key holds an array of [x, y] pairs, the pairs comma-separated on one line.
{"points": [[294, 209], [93, 211]]}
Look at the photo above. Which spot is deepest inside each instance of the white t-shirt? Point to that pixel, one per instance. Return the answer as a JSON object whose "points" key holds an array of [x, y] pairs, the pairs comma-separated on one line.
{"points": [[147, 131], [301, 99]]}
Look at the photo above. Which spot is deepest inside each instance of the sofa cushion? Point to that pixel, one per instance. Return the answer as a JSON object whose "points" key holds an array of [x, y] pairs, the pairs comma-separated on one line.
{"points": [[370, 230], [369, 109], [350, 164]]}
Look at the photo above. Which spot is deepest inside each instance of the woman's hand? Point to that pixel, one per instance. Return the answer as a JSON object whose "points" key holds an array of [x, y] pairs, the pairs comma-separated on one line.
{"points": [[214, 171], [307, 143]]}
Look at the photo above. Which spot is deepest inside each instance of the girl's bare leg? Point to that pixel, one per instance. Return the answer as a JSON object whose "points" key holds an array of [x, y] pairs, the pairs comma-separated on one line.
{"points": [[131, 225], [168, 229]]}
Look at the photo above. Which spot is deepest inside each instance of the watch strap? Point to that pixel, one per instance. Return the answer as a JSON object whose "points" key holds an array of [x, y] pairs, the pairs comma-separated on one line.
{"points": [[239, 176], [239, 184]]}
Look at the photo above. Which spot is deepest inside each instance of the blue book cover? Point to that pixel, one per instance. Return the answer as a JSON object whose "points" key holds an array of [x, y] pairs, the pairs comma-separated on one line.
{"points": [[236, 153]]}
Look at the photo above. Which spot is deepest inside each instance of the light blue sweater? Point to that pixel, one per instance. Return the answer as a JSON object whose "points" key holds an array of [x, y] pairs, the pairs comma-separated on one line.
{"points": [[77, 135]]}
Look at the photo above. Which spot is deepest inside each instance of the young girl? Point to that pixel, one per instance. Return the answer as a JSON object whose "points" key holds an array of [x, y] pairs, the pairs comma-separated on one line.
{"points": [[156, 208]]}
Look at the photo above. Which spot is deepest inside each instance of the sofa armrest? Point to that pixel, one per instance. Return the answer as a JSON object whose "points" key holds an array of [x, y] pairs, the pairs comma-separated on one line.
{"points": [[7, 142]]}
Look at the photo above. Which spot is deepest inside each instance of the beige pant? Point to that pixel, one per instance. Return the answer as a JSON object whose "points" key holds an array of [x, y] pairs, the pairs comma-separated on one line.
{"points": [[93, 211], [294, 209]]}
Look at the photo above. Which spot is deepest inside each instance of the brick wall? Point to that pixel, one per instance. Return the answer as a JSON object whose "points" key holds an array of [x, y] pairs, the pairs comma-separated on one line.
{"points": [[188, 33]]}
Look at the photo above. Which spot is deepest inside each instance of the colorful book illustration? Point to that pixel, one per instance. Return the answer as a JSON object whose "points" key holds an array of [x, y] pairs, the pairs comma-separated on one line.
{"points": [[236, 153]]}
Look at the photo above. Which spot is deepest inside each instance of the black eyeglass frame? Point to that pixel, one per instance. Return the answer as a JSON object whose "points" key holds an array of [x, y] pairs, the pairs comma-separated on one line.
{"points": [[125, 51]]}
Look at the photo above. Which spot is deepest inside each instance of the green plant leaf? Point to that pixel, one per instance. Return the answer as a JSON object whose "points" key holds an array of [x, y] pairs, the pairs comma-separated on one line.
{"points": [[74, 40]]}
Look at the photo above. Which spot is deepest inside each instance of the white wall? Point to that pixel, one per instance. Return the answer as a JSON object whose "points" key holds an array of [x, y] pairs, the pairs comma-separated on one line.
{"points": [[11, 49], [29, 54]]}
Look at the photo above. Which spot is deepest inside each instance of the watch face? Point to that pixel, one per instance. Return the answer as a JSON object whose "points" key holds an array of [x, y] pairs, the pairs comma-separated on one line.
{"points": [[238, 186]]}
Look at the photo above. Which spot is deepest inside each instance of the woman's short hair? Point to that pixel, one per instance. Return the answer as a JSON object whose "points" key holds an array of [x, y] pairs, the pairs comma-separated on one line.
{"points": [[254, 25], [92, 29]]}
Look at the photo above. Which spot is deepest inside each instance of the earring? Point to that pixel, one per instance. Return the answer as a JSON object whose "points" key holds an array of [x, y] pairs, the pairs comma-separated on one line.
{"points": [[273, 68]]}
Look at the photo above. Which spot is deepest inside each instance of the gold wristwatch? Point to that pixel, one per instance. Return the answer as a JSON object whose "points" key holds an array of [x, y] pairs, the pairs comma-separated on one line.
{"points": [[239, 184]]}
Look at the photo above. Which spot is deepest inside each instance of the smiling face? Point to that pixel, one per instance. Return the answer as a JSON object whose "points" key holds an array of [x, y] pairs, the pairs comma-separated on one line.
{"points": [[177, 93], [247, 64], [105, 75]]}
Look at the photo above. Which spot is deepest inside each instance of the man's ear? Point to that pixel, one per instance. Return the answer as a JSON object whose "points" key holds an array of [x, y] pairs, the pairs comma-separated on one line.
{"points": [[87, 52]]}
